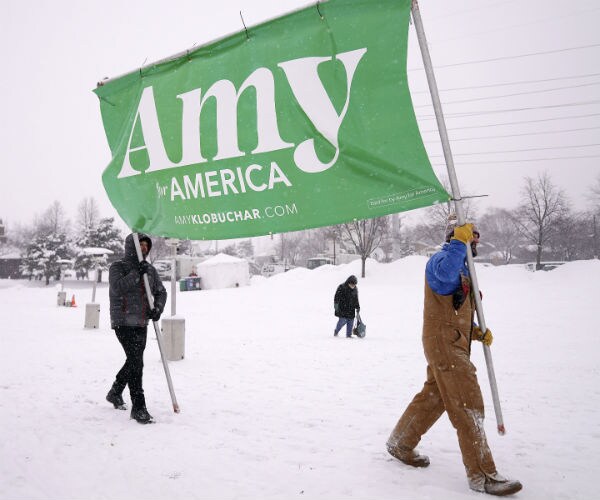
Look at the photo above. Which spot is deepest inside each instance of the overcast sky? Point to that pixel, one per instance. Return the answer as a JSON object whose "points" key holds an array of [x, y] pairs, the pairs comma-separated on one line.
{"points": [[541, 56]]}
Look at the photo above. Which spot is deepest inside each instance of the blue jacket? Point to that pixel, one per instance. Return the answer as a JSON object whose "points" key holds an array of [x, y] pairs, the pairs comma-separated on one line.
{"points": [[444, 268]]}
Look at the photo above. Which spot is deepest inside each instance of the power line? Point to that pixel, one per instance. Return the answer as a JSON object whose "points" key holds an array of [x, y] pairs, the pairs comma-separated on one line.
{"points": [[551, 148], [519, 161], [527, 92], [511, 110], [474, 9], [476, 87], [517, 122], [562, 131], [503, 28], [517, 56]]}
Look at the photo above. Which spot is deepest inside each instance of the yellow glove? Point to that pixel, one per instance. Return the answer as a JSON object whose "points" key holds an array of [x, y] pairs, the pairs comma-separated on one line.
{"points": [[486, 337], [463, 233]]}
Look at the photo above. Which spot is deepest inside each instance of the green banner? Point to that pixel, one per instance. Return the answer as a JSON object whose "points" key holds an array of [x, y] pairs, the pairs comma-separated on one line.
{"points": [[301, 122]]}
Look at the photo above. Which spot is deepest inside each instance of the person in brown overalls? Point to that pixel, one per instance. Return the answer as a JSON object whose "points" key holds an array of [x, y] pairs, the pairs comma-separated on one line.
{"points": [[451, 383]]}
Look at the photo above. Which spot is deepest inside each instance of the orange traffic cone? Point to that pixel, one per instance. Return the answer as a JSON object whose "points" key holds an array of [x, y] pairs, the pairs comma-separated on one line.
{"points": [[73, 304]]}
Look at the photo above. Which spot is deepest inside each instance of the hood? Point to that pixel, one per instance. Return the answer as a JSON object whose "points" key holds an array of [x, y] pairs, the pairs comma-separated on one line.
{"points": [[351, 279], [130, 252]]}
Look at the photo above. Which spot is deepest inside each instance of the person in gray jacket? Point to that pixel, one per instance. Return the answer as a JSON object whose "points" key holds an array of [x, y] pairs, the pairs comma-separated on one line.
{"points": [[129, 316]]}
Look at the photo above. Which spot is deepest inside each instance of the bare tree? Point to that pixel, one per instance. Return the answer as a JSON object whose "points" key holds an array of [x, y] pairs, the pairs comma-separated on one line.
{"points": [[88, 215], [291, 248], [53, 220], [500, 231], [160, 249], [334, 234], [20, 235], [365, 236], [594, 222], [297, 246], [283, 246], [403, 237], [437, 215], [575, 237], [245, 249], [542, 206], [230, 249], [594, 195]]}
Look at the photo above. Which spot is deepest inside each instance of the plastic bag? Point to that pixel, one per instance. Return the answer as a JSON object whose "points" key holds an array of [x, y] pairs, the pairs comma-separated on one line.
{"points": [[360, 330]]}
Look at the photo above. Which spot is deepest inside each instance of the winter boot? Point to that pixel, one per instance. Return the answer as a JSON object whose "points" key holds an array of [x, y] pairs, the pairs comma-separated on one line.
{"points": [[408, 456], [114, 397], [141, 415], [138, 409], [335, 333], [496, 485], [502, 488]]}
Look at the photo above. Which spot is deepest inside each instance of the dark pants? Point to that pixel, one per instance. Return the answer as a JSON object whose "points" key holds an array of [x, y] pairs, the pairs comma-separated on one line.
{"points": [[133, 340]]}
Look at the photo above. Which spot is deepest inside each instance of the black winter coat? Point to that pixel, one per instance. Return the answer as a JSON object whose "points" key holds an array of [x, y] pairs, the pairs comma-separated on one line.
{"points": [[345, 301], [128, 303]]}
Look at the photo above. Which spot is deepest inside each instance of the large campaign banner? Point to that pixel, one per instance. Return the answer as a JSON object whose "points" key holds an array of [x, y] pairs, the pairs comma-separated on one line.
{"points": [[300, 122]]}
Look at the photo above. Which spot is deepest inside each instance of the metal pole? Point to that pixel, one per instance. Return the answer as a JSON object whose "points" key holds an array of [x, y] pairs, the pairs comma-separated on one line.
{"points": [[174, 281], [94, 287], [140, 257], [334, 249], [439, 115]]}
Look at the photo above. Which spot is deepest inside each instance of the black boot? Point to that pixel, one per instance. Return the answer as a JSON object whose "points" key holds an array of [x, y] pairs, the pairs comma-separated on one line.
{"points": [[141, 415], [138, 409], [114, 397]]}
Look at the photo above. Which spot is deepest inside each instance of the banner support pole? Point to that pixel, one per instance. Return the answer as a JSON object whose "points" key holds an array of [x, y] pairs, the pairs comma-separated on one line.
{"points": [[150, 297], [460, 215]]}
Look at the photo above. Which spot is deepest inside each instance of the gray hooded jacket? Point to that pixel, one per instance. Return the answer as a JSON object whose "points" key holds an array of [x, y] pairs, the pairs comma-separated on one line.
{"points": [[128, 303]]}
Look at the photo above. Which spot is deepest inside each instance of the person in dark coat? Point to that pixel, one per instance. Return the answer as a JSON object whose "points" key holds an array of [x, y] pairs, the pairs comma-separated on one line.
{"points": [[129, 316], [345, 302], [451, 384]]}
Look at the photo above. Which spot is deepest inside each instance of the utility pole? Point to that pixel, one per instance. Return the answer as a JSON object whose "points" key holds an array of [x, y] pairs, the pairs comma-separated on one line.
{"points": [[595, 238]]}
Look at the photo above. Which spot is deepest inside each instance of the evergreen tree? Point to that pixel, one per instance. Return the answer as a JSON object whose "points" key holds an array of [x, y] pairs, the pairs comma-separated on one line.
{"points": [[103, 235], [48, 245], [44, 254]]}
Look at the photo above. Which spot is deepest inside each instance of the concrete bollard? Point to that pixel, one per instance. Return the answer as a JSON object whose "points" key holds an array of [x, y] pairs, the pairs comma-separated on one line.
{"points": [[92, 316], [173, 332]]}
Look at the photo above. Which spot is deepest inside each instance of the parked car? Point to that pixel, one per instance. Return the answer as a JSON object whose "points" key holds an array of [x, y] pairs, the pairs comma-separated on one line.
{"points": [[545, 266], [163, 268]]}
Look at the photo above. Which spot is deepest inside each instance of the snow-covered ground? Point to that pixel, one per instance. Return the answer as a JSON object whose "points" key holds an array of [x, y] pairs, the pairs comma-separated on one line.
{"points": [[273, 406]]}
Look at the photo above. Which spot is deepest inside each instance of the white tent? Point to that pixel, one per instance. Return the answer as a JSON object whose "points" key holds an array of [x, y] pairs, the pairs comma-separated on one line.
{"points": [[223, 271]]}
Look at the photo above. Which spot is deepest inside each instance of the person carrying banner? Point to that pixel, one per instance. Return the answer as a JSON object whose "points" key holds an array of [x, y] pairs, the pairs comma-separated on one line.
{"points": [[129, 316], [451, 383], [345, 303]]}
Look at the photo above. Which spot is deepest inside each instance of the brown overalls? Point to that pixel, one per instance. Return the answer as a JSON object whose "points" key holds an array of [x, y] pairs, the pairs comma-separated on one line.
{"points": [[451, 386]]}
